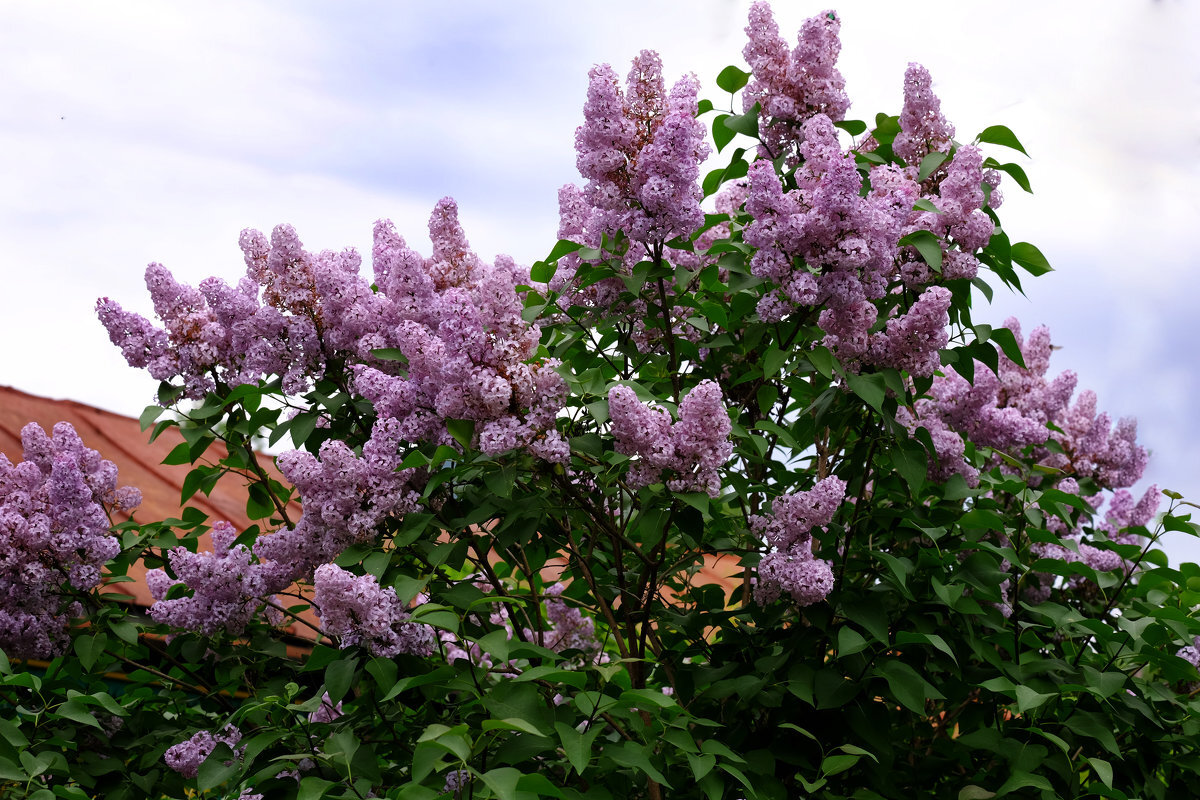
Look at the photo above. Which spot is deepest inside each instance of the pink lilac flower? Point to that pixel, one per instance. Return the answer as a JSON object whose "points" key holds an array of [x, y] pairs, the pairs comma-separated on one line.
{"points": [[456, 781], [358, 611], [911, 342], [790, 568], [345, 497], [187, 756], [1012, 409], [640, 153], [791, 87], [691, 450], [328, 712], [228, 589], [54, 536], [571, 630], [923, 129]]}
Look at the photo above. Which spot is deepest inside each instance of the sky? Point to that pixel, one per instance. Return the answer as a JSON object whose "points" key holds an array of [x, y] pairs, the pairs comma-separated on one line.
{"points": [[133, 132]]}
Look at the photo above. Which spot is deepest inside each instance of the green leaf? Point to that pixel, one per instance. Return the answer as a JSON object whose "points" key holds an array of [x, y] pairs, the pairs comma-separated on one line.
{"points": [[1001, 135], [219, 767], [701, 764], [849, 641], [930, 163], [178, 455], [1020, 780], [510, 724], [912, 462], [338, 676], [576, 745], [635, 755], [907, 685], [542, 272], [75, 711], [1008, 343], [721, 137], [745, 124], [973, 792], [1104, 770], [1014, 171], [928, 245], [1095, 726], [731, 79], [313, 788], [302, 427], [538, 784], [462, 430], [925, 204], [640, 698], [1028, 699], [854, 127], [503, 782], [822, 360], [89, 649], [1031, 259], [388, 354], [868, 387]]}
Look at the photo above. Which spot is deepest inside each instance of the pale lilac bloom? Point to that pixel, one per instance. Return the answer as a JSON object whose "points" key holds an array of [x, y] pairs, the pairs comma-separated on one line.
{"points": [[690, 451], [54, 536], [791, 87], [790, 568], [923, 128], [187, 756], [358, 611]]}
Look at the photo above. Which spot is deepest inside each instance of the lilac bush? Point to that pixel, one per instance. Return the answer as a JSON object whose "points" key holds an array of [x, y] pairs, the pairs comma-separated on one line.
{"points": [[727, 497]]}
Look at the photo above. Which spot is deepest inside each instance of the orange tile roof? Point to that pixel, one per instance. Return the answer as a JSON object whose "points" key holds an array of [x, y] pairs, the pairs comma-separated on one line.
{"points": [[139, 463]]}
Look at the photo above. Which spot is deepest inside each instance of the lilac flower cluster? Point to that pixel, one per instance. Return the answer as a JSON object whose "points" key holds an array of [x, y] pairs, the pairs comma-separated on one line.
{"points": [[640, 153], [227, 586], [571, 629], [328, 712], [1123, 513], [467, 350], [1191, 653], [346, 498], [359, 612], [54, 536], [456, 320], [923, 129], [187, 756], [790, 567], [790, 87], [691, 450], [828, 245], [848, 245], [1010, 410], [456, 781]]}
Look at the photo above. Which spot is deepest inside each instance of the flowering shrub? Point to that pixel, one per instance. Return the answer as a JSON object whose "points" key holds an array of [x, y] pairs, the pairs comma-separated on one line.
{"points": [[727, 497]]}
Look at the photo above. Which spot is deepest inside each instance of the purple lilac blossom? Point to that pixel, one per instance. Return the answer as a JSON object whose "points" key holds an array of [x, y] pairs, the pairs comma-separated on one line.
{"points": [[691, 450], [328, 712], [923, 129], [571, 629], [54, 536], [456, 781], [790, 87], [358, 611], [790, 567], [911, 342], [345, 499], [187, 756], [228, 587]]}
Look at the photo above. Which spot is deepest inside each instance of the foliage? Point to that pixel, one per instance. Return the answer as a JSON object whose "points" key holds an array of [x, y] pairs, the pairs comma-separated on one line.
{"points": [[521, 490]]}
